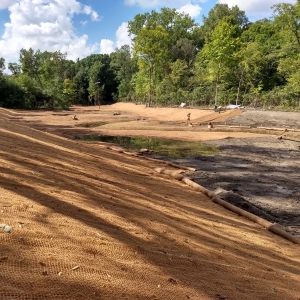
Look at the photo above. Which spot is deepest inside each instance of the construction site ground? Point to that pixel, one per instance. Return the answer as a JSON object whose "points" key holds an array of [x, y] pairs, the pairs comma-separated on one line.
{"points": [[82, 221]]}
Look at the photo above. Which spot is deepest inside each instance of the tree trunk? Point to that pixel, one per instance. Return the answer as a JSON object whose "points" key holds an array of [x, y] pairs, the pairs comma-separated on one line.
{"points": [[217, 81], [239, 87]]}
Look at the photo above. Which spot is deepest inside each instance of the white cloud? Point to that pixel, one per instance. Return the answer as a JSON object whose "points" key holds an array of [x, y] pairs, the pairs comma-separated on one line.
{"points": [[77, 48], [45, 25], [122, 38], [106, 46], [193, 10], [159, 3], [94, 16], [88, 10], [6, 3], [122, 35], [255, 8]]}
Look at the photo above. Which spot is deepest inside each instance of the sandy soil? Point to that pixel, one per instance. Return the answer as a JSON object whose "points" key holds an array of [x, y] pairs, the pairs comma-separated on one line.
{"points": [[91, 223]]}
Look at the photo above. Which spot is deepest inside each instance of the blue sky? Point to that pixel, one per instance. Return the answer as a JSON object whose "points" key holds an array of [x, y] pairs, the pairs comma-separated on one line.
{"points": [[83, 27]]}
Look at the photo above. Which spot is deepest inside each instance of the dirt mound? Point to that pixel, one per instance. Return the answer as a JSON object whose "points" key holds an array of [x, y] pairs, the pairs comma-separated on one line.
{"points": [[89, 223]]}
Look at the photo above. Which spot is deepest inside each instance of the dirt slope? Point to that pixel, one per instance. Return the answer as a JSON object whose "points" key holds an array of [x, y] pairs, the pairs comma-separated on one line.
{"points": [[89, 223]]}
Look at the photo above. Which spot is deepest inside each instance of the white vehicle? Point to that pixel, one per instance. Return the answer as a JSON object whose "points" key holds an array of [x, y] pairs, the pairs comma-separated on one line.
{"points": [[232, 106]]}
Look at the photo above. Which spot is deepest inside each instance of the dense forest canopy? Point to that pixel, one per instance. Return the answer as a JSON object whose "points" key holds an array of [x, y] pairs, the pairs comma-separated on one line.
{"points": [[172, 59]]}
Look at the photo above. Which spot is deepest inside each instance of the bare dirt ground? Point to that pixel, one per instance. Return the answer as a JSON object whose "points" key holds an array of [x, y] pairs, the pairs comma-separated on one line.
{"points": [[91, 223]]}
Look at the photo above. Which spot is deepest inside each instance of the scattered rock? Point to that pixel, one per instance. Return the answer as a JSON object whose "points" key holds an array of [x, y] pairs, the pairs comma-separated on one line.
{"points": [[146, 151], [6, 228], [3, 258], [172, 280]]}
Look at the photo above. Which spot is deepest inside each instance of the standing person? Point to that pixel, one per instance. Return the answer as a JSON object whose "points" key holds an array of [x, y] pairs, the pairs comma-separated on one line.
{"points": [[188, 119]]}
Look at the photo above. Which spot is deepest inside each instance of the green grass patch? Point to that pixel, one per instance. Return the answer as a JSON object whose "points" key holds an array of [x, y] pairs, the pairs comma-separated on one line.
{"points": [[91, 124], [164, 147]]}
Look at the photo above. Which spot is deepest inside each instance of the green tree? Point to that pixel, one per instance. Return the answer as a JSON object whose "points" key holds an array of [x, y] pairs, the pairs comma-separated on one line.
{"points": [[104, 75], [249, 68], [14, 68], [51, 70], [53, 65], [266, 37], [33, 96], [94, 82], [287, 19], [287, 23], [185, 50], [47, 69], [31, 61], [124, 67], [140, 84], [2, 65], [173, 86], [219, 55], [151, 47], [177, 25], [69, 91], [217, 14], [81, 82], [11, 93], [160, 39]]}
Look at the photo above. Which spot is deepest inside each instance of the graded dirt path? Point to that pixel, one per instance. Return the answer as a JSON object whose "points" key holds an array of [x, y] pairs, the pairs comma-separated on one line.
{"points": [[90, 223], [134, 120]]}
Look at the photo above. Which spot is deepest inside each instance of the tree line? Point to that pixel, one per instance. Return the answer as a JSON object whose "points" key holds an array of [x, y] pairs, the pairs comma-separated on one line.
{"points": [[172, 59]]}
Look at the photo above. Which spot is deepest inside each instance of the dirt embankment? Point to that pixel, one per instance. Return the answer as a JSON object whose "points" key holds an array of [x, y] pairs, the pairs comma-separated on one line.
{"points": [[89, 223]]}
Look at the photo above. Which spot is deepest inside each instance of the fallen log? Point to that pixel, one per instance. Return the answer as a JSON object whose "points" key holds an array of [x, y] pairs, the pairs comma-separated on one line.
{"points": [[239, 126], [289, 139], [273, 128]]}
